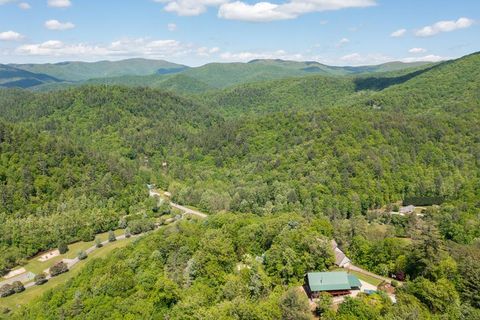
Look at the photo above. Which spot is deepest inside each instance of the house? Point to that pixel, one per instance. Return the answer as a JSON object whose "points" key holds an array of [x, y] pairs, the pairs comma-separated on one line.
{"points": [[341, 259], [335, 283], [407, 209]]}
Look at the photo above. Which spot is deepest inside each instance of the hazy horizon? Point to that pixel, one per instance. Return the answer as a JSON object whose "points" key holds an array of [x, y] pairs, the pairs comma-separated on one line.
{"points": [[332, 32]]}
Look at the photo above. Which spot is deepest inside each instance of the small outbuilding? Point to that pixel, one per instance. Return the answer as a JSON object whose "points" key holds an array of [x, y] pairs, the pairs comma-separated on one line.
{"points": [[341, 259], [337, 283]]}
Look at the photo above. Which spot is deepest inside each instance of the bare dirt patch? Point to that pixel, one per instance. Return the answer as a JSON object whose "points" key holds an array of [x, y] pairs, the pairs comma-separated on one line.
{"points": [[14, 273], [49, 255]]}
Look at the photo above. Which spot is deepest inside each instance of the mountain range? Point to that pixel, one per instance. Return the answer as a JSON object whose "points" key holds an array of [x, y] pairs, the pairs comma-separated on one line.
{"points": [[171, 76]]}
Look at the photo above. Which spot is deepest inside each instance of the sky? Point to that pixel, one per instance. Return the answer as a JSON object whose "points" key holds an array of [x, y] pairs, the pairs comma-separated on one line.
{"points": [[195, 32]]}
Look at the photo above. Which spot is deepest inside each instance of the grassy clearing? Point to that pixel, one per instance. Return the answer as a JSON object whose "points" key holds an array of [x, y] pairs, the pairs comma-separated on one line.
{"points": [[36, 266], [366, 278], [28, 295], [361, 276]]}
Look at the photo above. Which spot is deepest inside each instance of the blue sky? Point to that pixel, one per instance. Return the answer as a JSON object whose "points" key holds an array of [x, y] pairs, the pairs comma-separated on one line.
{"points": [[194, 32]]}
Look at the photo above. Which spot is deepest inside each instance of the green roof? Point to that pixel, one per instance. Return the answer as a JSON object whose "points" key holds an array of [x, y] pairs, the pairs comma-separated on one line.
{"points": [[329, 281], [354, 282]]}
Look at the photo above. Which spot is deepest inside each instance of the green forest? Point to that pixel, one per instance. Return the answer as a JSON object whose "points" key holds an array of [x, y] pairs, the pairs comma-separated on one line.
{"points": [[282, 167]]}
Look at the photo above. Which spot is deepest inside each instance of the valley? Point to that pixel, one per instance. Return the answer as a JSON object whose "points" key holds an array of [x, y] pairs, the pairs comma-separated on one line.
{"points": [[272, 165]]}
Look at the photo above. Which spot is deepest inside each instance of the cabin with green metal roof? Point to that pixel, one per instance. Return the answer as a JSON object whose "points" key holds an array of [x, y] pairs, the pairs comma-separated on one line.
{"points": [[336, 283]]}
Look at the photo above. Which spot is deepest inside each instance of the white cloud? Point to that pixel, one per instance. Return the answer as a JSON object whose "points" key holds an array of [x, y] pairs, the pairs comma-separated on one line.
{"points": [[24, 6], [59, 3], [260, 10], [267, 11], [207, 52], [417, 50], [124, 48], [172, 27], [367, 59], [57, 25], [57, 48], [247, 56], [399, 33], [427, 58], [189, 7], [10, 36], [342, 42], [444, 26]]}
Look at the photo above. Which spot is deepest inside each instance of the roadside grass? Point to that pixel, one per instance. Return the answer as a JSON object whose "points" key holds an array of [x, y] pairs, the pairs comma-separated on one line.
{"points": [[16, 300], [36, 266]]}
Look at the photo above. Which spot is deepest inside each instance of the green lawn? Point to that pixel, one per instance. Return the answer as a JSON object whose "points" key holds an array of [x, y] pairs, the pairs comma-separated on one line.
{"points": [[361, 276], [366, 278], [36, 266], [34, 292]]}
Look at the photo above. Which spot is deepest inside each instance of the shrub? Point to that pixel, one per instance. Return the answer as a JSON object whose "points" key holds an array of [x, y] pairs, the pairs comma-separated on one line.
{"points": [[87, 235], [62, 247], [59, 268], [82, 255], [98, 243], [164, 208], [294, 305], [111, 236], [122, 224], [324, 304], [6, 290], [128, 234], [400, 276], [394, 283], [18, 287], [40, 279], [141, 225]]}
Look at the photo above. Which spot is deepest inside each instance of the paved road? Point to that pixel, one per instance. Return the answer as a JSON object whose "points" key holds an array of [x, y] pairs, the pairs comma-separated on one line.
{"points": [[154, 193], [188, 210], [23, 277]]}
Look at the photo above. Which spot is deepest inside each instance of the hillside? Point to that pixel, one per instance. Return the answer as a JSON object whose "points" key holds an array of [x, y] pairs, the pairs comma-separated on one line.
{"points": [[80, 71], [179, 83], [79, 154], [174, 77], [11, 77], [450, 85], [316, 67], [293, 94], [296, 161]]}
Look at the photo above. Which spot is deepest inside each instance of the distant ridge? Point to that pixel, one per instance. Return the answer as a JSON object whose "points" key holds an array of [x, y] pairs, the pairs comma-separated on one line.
{"points": [[159, 73], [11, 77], [81, 71]]}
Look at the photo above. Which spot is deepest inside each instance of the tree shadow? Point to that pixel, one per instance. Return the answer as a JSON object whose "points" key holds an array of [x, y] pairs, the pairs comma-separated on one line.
{"points": [[380, 83]]}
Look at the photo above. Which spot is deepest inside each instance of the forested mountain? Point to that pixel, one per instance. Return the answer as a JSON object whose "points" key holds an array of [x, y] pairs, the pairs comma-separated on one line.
{"points": [[67, 156], [297, 162], [316, 67], [174, 77], [178, 83], [79, 71], [11, 77]]}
